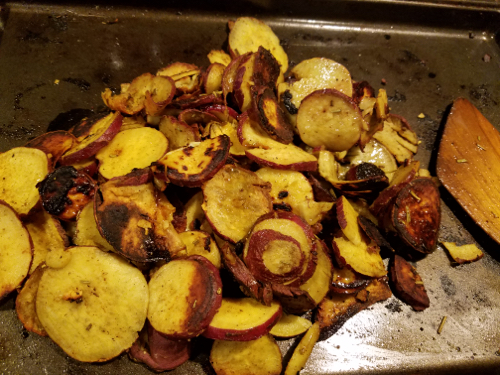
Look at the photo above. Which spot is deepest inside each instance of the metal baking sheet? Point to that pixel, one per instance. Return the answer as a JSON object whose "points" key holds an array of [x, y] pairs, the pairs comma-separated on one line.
{"points": [[55, 59]]}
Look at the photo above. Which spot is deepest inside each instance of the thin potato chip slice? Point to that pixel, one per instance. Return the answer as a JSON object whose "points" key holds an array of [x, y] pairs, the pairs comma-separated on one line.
{"points": [[94, 307]]}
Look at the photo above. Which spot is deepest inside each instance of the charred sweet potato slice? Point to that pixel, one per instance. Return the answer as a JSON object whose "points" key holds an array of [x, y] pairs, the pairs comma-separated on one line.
{"points": [[136, 220], [243, 319], [231, 130], [178, 133], [184, 296], [416, 214], [65, 192], [346, 281], [335, 310], [21, 169], [233, 201], [54, 144], [158, 352], [408, 284], [26, 303], [257, 357], [193, 165], [94, 306]]}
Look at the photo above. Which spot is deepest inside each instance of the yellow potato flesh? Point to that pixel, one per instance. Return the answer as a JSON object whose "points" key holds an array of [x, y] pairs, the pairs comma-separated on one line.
{"points": [[200, 243], [86, 233], [360, 258], [94, 306], [290, 325]]}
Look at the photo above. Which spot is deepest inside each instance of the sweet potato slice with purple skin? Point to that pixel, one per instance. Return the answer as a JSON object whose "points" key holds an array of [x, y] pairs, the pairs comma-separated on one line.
{"points": [[178, 133], [132, 217], [416, 214], [223, 113], [191, 166], [408, 284], [229, 76], [233, 201], [94, 136], [65, 192], [212, 78], [158, 352], [243, 319], [195, 116], [335, 310], [54, 144], [25, 303], [257, 357], [185, 294], [250, 286]]}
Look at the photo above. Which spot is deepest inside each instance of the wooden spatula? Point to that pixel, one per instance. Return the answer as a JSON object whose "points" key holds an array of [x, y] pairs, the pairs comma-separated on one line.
{"points": [[468, 165]]}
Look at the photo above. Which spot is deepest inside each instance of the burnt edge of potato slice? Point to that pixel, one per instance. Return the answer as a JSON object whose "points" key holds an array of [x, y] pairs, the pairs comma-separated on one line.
{"points": [[65, 192], [84, 127], [371, 230], [416, 214], [333, 319], [266, 69], [408, 284]]}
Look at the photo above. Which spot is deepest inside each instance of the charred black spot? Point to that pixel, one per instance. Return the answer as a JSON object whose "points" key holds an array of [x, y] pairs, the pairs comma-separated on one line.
{"points": [[206, 245], [283, 194], [365, 170], [113, 220], [287, 101], [66, 120], [86, 123], [282, 207], [188, 150], [196, 224], [55, 187]]}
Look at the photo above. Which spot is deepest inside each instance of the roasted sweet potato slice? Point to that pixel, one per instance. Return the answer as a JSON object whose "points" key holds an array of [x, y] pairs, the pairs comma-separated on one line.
{"points": [[16, 250], [212, 78], [136, 220], [331, 119], [48, 236], [131, 149], [158, 352], [242, 319], [233, 201], [201, 243], [193, 165], [186, 76], [219, 56], [229, 76], [346, 281], [335, 310], [26, 303], [416, 214], [94, 306], [65, 192], [86, 231], [463, 254], [184, 296], [257, 357], [94, 136], [21, 169], [231, 130], [54, 144], [408, 284], [178, 133], [303, 350], [290, 326], [348, 220]]}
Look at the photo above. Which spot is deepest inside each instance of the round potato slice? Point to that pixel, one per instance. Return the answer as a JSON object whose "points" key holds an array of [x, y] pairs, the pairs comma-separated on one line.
{"points": [[331, 119], [16, 250], [130, 149], [93, 307]]}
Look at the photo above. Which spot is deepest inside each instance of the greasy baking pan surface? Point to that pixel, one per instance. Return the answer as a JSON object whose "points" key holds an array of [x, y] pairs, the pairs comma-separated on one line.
{"points": [[56, 59]]}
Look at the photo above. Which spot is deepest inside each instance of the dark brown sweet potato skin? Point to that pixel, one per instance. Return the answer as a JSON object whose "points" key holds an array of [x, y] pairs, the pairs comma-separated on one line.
{"points": [[408, 284], [336, 309], [417, 213], [54, 144]]}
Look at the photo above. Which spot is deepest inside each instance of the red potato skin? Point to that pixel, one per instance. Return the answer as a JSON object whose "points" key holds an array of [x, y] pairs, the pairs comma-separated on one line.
{"points": [[307, 166], [95, 146], [253, 333], [223, 112]]}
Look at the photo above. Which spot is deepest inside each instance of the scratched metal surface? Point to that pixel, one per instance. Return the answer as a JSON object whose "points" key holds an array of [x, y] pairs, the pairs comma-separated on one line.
{"points": [[428, 53]]}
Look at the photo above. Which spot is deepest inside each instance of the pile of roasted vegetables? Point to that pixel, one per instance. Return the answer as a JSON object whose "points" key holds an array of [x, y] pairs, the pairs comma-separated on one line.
{"points": [[227, 202]]}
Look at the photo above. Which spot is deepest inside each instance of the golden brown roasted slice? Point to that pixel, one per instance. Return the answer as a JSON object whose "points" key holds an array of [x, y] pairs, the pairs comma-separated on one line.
{"points": [[21, 169], [248, 34], [93, 307], [26, 303], [231, 130], [86, 232], [463, 254], [194, 213], [292, 190], [66, 191], [92, 135], [178, 133], [336, 309], [348, 220], [148, 92], [136, 220], [201, 243], [184, 296], [408, 284], [290, 326], [186, 76], [133, 122], [331, 119], [54, 144], [303, 350], [233, 201], [212, 78], [242, 319], [193, 165], [16, 250], [219, 56], [48, 236], [131, 149], [256, 357]]}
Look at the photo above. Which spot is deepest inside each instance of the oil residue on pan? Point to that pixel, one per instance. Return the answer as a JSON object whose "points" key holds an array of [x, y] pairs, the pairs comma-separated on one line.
{"points": [[56, 60]]}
